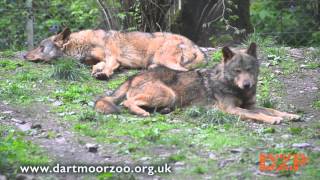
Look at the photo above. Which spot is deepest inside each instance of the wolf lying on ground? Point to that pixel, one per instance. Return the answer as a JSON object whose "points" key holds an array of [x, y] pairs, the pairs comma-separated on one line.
{"points": [[230, 85], [107, 51]]}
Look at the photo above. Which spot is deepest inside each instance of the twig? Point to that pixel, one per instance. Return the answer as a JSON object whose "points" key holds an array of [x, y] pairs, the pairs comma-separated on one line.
{"points": [[104, 12]]}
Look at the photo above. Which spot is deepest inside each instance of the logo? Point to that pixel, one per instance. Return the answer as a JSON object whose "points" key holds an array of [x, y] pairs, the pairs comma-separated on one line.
{"points": [[282, 162]]}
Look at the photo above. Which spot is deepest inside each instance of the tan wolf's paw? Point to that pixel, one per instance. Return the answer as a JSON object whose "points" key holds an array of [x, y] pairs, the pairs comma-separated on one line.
{"points": [[145, 114], [275, 120], [153, 66], [100, 75]]}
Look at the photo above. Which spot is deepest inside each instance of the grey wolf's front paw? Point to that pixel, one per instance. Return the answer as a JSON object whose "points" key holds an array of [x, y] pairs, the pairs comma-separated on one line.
{"points": [[294, 117], [275, 120]]}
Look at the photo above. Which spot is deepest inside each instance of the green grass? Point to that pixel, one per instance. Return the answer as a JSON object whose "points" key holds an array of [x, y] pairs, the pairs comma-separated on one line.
{"points": [[312, 65], [7, 64], [115, 82], [267, 81], [263, 42], [288, 66], [316, 104], [68, 69], [184, 136], [7, 54], [15, 151]]}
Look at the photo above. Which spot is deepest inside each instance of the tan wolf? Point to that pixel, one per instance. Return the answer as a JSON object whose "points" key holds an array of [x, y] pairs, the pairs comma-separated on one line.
{"points": [[230, 86], [107, 51]]}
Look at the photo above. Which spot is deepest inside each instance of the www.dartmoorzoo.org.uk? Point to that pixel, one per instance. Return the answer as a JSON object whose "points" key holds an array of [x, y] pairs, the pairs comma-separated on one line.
{"points": [[84, 169]]}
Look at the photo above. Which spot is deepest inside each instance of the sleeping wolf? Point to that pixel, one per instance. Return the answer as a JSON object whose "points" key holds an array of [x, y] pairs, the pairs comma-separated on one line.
{"points": [[230, 85], [109, 50]]}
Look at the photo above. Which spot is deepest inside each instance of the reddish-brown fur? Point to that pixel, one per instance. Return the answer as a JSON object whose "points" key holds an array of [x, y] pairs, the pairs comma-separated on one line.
{"points": [[231, 86], [107, 51]]}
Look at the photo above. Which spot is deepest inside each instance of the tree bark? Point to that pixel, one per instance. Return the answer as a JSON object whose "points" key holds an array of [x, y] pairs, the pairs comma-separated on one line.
{"points": [[243, 11], [29, 25]]}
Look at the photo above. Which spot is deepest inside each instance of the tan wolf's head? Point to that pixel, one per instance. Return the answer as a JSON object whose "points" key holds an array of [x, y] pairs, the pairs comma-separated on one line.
{"points": [[50, 48], [241, 68]]}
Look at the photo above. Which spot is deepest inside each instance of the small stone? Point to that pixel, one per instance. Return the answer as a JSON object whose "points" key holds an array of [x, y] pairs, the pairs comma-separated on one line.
{"points": [[279, 146], [36, 126], [301, 145], [61, 114], [286, 136], [57, 103], [179, 163], [91, 104], [24, 127], [61, 140], [237, 150], [18, 121], [223, 163], [301, 92], [51, 100], [7, 112], [2, 177], [107, 157], [278, 71], [303, 65], [71, 113], [24, 177], [213, 156], [145, 158], [311, 49], [316, 149], [93, 148]]}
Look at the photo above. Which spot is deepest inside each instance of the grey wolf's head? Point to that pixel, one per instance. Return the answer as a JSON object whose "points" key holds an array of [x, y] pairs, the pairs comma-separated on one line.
{"points": [[242, 67], [50, 48]]}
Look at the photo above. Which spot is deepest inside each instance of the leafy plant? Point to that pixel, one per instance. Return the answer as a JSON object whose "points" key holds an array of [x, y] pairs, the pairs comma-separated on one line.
{"points": [[15, 151], [286, 20], [74, 93], [49, 17], [68, 69], [209, 116], [88, 115], [217, 56]]}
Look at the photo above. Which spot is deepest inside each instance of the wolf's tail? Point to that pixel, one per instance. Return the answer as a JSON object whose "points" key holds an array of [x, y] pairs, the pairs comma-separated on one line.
{"points": [[107, 104]]}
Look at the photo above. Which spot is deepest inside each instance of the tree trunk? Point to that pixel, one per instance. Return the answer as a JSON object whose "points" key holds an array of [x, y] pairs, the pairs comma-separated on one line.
{"points": [[243, 12], [29, 26], [195, 17]]}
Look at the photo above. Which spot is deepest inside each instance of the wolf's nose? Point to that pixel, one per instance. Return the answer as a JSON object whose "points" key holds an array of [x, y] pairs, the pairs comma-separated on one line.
{"points": [[24, 56], [246, 84]]}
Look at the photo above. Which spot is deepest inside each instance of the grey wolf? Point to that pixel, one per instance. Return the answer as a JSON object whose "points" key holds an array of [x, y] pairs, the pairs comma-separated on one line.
{"points": [[230, 86]]}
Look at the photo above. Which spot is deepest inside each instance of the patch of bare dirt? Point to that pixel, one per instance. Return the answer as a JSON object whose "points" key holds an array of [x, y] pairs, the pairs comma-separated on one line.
{"points": [[65, 147], [303, 87]]}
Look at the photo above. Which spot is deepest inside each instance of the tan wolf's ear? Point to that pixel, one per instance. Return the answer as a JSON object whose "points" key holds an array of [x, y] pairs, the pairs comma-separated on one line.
{"points": [[63, 36], [227, 54], [252, 50]]}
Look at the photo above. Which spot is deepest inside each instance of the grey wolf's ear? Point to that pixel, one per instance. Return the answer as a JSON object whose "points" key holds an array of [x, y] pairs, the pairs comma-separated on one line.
{"points": [[252, 50], [64, 35], [227, 53]]}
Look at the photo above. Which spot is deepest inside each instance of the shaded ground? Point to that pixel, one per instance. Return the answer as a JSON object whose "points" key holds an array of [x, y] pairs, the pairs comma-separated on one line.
{"points": [[196, 147]]}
